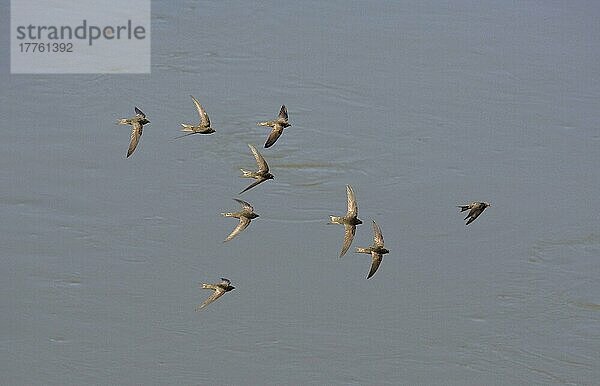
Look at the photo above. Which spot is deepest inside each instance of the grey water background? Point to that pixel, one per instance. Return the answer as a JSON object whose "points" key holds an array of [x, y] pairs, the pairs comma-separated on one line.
{"points": [[419, 105]]}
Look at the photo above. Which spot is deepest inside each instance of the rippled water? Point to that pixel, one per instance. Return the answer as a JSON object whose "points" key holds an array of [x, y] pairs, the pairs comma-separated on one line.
{"points": [[419, 105]]}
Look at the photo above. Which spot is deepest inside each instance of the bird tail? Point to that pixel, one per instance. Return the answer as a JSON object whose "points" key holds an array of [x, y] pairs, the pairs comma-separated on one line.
{"points": [[362, 250], [335, 220], [263, 123], [228, 214], [462, 207], [123, 121], [246, 173], [204, 285]]}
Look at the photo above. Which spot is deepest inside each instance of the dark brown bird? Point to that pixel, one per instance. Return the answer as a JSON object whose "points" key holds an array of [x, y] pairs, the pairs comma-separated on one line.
{"points": [[203, 127], [349, 221], [137, 124], [278, 124], [218, 288], [476, 208], [261, 175], [376, 250], [245, 216]]}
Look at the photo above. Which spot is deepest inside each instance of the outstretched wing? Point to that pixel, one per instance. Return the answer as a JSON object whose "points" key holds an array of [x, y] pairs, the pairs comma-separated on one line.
{"points": [[349, 231], [139, 112], [243, 224], [377, 236], [186, 134], [260, 161], [274, 136], [352, 207], [283, 113], [473, 214], [259, 181], [204, 120], [217, 294], [136, 133], [245, 205], [375, 261]]}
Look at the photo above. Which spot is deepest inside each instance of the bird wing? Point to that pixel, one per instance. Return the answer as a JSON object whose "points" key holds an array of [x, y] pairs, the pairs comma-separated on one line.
{"points": [[225, 282], [259, 181], [275, 134], [217, 294], [245, 205], [473, 214], [260, 161], [375, 261], [349, 231], [352, 207], [283, 113], [139, 112], [377, 236], [136, 133], [204, 120], [243, 224], [186, 134]]}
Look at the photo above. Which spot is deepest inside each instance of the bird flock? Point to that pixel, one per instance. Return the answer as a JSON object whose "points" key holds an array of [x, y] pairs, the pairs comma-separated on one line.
{"points": [[350, 220]]}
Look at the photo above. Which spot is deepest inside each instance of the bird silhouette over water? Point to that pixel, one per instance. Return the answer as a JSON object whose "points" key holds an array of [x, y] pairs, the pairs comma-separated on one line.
{"points": [[245, 216], [218, 288], [137, 125], [261, 175], [203, 127], [349, 221], [476, 208], [277, 125], [376, 250]]}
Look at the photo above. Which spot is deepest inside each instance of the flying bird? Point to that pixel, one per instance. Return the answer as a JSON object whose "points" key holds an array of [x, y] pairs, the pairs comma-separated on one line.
{"points": [[201, 128], [278, 124], [245, 216], [376, 250], [350, 220], [261, 175], [218, 288], [476, 208], [137, 124]]}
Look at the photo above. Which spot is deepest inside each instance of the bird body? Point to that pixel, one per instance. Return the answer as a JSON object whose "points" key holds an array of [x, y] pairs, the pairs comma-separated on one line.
{"points": [[475, 209], [349, 221], [277, 125], [137, 126], [219, 290], [203, 127], [261, 175], [377, 250], [245, 216]]}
